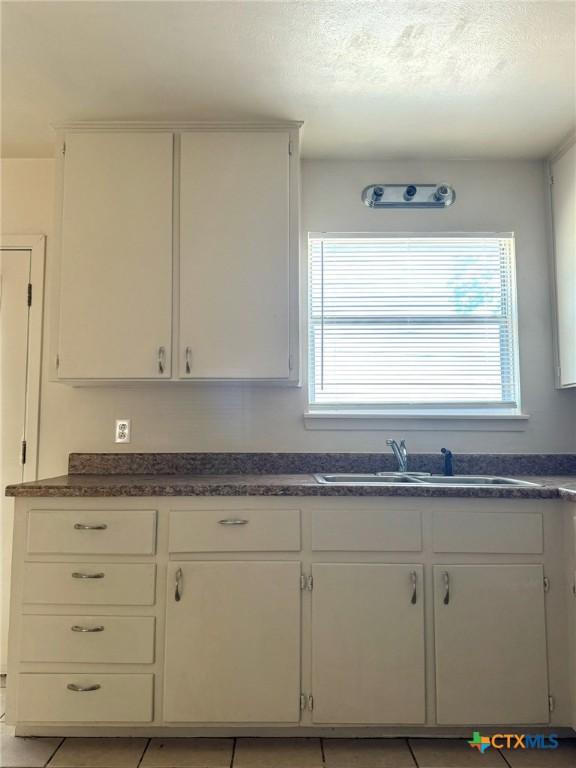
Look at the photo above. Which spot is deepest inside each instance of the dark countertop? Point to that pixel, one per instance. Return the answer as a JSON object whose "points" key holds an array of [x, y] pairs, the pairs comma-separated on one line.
{"points": [[138, 485]]}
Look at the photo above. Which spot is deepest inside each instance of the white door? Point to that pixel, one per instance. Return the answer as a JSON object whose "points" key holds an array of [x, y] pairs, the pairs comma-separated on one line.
{"points": [[368, 644], [20, 332], [490, 644], [233, 642], [234, 255], [116, 268]]}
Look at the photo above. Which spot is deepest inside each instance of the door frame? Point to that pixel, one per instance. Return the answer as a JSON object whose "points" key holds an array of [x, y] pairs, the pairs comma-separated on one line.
{"points": [[36, 244]]}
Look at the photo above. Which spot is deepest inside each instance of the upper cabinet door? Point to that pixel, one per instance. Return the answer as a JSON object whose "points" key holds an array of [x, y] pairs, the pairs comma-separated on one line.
{"points": [[563, 171], [234, 255], [116, 268]]}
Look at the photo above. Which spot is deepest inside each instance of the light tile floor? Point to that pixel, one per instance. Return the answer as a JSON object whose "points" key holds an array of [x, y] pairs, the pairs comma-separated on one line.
{"points": [[267, 753]]}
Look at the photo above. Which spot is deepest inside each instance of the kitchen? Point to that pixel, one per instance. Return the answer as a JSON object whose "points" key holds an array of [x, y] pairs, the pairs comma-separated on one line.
{"points": [[237, 299]]}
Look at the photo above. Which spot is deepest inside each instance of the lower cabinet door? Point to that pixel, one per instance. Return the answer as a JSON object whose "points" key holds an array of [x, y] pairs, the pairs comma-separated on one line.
{"points": [[368, 644], [490, 644], [233, 642]]}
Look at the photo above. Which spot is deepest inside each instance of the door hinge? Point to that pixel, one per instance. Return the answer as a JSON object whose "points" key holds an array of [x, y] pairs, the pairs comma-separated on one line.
{"points": [[551, 704], [23, 452], [306, 702], [307, 582], [546, 584], [29, 295], [551, 180]]}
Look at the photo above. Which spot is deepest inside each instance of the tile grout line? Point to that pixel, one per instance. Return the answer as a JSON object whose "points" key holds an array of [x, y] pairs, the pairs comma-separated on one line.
{"points": [[322, 751], [503, 756], [53, 755], [148, 742], [233, 756], [412, 752]]}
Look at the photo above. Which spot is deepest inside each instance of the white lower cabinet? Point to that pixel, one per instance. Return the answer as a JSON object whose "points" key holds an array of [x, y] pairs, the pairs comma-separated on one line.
{"points": [[490, 640], [232, 642], [368, 643], [297, 612]]}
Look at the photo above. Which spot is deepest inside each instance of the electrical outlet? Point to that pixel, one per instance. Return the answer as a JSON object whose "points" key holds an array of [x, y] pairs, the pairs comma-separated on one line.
{"points": [[122, 434]]}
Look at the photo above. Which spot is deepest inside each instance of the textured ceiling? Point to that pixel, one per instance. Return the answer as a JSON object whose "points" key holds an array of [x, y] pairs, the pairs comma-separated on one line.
{"points": [[400, 78]]}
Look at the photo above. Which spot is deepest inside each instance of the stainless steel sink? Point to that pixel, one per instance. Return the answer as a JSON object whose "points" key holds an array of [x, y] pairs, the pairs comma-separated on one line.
{"points": [[356, 479], [470, 480], [418, 479]]}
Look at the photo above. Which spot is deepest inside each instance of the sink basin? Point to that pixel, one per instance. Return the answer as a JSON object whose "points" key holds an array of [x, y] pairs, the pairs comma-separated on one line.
{"points": [[418, 479], [356, 479], [470, 480]]}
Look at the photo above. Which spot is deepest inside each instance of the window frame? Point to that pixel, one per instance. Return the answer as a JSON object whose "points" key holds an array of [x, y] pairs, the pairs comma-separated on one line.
{"points": [[470, 411]]}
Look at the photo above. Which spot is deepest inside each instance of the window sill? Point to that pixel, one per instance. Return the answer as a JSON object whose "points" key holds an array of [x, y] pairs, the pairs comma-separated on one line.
{"points": [[449, 421]]}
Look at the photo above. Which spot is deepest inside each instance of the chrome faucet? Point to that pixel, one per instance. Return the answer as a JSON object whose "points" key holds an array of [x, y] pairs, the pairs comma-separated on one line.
{"points": [[401, 453]]}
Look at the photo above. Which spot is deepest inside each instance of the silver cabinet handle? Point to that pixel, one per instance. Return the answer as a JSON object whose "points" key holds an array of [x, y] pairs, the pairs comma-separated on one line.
{"points": [[88, 527], [78, 628], [233, 521], [188, 354], [83, 688], [161, 359], [179, 585], [414, 581], [79, 575], [446, 580]]}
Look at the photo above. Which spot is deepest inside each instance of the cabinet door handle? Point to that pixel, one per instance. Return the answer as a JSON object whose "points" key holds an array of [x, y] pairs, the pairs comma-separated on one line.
{"points": [[89, 527], [188, 354], [83, 688], [446, 580], [79, 575], [79, 628], [179, 585], [233, 521], [414, 581], [161, 359]]}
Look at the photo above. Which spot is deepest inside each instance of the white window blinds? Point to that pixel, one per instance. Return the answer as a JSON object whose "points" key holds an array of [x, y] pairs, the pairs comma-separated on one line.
{"points": [[406, 321]]}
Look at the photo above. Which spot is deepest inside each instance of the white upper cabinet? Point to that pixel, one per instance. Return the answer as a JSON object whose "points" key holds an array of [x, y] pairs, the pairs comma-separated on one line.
{"points": [[179, 245], [563, 172], [234, 255], [116, 256]]}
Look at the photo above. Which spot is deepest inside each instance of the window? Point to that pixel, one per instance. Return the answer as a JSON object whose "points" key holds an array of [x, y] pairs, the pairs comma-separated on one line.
{"points": [[413, 324]]}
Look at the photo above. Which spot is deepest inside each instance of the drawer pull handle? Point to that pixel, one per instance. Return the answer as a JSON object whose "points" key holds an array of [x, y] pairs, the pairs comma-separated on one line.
{"points": [[88, 527], [179, 585], [83, 688], [233, 521], [79, 575], [414, 581], [78, 628], [188, 359], [446, 579]]}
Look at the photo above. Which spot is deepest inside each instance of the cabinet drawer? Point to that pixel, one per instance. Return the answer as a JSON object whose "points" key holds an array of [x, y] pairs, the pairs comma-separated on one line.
{"points": [[488, 532], [95, 639], [91, 532], [246, 530], [367, 530], [74, 583], [114, 698]]}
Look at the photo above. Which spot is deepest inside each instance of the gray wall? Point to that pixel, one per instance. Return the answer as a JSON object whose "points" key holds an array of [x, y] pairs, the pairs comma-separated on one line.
{"points": [[492, 196]]}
